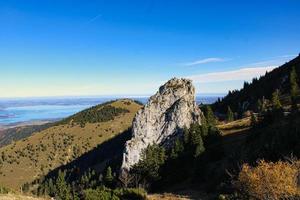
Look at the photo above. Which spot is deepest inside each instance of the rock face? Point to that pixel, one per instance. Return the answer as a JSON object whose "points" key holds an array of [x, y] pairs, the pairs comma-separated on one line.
{"points": [[165, 115]]}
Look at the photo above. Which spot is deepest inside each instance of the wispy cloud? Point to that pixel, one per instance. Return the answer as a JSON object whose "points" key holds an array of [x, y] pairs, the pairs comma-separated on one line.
{"points": [[239, 74], [288, 56], [273, 61], [205, 61], [244, 72], [94, 18]]}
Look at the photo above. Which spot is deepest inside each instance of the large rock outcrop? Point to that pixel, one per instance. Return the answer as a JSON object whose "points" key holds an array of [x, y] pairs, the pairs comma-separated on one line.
{"points": [[165, 115]]}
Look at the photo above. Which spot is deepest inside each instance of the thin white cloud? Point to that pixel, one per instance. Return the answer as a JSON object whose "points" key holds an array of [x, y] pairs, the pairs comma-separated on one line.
{"points": [[273, 61], [94, 18], [239, 74], [288, 56], [204, 61]]}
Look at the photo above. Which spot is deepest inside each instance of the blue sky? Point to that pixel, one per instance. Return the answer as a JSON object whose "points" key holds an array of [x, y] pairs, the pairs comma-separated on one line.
{"points": [[61, 48]]}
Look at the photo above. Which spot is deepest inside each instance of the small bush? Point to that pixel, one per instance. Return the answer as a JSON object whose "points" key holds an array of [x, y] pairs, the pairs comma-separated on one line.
{"points": [[274, 181], [103, 193], [4, 190], [99, 194], [131, 193]]}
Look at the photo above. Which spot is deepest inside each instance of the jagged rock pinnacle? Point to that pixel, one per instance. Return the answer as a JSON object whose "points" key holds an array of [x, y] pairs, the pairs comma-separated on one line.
{"points": [[165, 115]]}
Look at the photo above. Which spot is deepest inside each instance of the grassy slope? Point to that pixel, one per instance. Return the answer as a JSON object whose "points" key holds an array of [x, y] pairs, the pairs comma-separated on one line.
{"points": [[58, 145], [18, 197], [234, 135]]}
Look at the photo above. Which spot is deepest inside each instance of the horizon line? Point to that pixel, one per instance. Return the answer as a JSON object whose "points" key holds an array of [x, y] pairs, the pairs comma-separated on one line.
{"points": [[103, 96]]}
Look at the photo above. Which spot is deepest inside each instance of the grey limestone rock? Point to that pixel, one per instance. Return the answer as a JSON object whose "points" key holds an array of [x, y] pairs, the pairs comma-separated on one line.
{"points": [[165, 115]]}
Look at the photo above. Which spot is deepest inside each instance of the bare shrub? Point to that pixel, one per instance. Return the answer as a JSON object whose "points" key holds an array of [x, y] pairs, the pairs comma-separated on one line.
{"points": [[272, 181]]}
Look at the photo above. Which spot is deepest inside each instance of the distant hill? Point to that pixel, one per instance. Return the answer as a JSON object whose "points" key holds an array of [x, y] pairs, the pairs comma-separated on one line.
{"points": [[7, 136], [29, 158], [247, 97]]}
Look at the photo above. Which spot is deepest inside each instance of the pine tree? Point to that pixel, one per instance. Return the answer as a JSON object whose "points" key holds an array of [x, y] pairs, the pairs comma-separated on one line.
{"points": [[294, 88], [186, 135], [253, 119], [177, 148], [62, 188], [199, 149], [261, 106], [230, 115], [209, 115], [108, 176], [51, 187], [196, 140], [148, 168], [275, 100], [205, 127], [294, 83], [74, 192]]}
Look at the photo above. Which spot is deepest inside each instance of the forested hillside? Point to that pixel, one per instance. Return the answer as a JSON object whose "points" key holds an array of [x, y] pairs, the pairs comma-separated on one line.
{"points": [[260, 89]]}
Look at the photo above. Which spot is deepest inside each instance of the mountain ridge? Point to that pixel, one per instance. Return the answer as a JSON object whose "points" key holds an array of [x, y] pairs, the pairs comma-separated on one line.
{"points": [[59, 144]]}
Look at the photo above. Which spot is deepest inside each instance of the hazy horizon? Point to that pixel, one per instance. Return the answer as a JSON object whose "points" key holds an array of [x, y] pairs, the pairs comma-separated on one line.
{"points": [[21, 110], [100, 96]]}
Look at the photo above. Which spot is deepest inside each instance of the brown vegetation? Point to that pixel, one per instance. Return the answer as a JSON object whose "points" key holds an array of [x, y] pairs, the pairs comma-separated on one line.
{"points": [[270, 180]]}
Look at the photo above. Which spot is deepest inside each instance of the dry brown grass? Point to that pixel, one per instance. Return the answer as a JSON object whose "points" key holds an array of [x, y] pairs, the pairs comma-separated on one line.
{"points": [[167, 196], [18, 197], [270, 181], [234, 126], [59, 142]]}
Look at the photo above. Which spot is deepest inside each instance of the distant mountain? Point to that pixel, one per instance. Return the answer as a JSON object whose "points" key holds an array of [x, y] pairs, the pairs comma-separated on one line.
{"points": [[61, 143], [263, 87]]}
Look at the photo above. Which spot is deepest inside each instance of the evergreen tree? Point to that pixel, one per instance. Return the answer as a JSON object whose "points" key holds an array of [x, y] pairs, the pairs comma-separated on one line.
{"points": [[209, 115], [230, 115], [108, 176], [275, 100], [294, 83], [51, 187], [253, 119], [195, 143], [186, 135], [153, 157], [62, 188], [196, 140], [177, 148], [74, 192], [205, 127], [259, 106], [199, 149]]}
